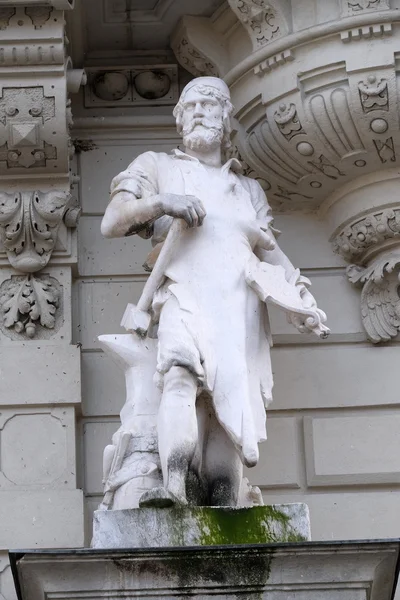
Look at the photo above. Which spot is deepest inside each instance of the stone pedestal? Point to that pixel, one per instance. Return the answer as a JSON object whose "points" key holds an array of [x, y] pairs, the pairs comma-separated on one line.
{"points": [[200, 526], [305, 571]]}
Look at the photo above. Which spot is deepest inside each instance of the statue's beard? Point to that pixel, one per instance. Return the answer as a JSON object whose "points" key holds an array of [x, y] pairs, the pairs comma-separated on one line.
{"points": [[202, 134]]}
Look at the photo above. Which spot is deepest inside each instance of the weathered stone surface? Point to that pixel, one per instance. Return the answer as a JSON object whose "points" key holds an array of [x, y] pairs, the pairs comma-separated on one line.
{"points": [[308, 571], [58, 374], [200, 526], [45, 519]]}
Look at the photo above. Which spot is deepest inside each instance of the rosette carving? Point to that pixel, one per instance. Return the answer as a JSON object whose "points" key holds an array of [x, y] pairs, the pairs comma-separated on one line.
{"points": [[366, 233]]}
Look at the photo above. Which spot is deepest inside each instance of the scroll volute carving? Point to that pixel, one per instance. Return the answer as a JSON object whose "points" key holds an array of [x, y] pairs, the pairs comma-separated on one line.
{"points": [[29, 222]]}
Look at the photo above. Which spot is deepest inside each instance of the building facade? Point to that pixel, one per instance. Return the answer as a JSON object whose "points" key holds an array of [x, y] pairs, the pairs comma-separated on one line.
{"points": [[88, 86]]}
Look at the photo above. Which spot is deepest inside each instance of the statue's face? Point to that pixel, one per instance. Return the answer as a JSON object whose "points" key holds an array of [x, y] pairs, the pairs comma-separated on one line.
{"points": [[202, 121]]}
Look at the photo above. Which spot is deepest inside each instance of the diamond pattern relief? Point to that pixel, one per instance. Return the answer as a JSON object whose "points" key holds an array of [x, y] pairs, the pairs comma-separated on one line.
{"points": [[24, 134]]}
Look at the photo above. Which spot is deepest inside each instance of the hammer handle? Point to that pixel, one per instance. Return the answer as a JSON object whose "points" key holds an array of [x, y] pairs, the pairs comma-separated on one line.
{"points": [[156, 276]]}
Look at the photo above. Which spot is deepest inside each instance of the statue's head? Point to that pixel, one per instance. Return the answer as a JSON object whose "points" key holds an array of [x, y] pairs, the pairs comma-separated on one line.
{"points": [[203, 114]]}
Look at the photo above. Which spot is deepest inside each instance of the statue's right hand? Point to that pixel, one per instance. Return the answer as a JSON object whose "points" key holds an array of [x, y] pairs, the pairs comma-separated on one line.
{"points": [[189, 208]]}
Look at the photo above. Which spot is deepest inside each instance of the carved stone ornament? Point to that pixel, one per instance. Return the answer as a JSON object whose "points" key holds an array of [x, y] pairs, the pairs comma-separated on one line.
{"points": [[199, 47], [29, 222], [354, 7], [132, 86], [367, 232], [261, 19], [28, 304], [23, 112], [380, 302], [372, 242]]}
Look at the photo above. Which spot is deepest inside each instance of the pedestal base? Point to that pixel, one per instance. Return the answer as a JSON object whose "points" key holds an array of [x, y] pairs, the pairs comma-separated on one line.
{"points": [[200, 526], [301, 571]]}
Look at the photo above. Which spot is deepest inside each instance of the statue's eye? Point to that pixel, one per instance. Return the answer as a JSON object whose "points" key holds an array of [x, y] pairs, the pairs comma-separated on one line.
{"points": [[208, 105]]}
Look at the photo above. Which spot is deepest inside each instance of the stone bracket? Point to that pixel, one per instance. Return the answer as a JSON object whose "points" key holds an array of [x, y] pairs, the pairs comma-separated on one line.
{"points": [[199, 47], [371, 243]]}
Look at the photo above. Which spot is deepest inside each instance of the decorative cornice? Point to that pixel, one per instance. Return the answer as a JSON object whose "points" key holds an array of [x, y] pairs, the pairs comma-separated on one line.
{"points": [[367, 235], [306, 36]]}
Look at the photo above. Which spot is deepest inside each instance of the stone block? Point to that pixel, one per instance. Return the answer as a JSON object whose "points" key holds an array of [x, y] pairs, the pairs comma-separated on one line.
{"points": [[305, 571], [45, 519], [200, 526], [305, 240], [96, 435], [280, 455], [103, 385], [353, 450], [332, 376], [346, 515], [101, 256], [107, 159], [37, 448], [101, 306], [39, 373]]}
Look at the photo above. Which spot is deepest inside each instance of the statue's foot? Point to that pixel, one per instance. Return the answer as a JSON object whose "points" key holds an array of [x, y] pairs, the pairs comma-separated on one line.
{"points": [[160, 497]]}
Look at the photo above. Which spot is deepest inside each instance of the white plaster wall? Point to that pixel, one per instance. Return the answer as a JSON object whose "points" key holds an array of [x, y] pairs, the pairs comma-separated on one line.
{"points": [[334, 425]]}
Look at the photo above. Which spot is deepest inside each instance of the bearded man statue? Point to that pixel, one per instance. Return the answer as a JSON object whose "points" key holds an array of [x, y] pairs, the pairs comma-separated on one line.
{"points": [[211, 325]]}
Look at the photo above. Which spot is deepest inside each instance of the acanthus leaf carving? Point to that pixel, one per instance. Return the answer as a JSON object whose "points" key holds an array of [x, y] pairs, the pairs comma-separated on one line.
{"points": [[371, 244], [380, 301], [29, 223], [28, 303]]}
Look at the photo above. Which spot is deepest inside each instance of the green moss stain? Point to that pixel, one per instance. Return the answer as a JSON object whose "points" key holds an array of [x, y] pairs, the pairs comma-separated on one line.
{"points": [[256, 525]]}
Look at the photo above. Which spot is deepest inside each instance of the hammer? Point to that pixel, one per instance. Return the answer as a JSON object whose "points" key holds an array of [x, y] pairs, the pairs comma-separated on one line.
{"points": [[137, 316]]}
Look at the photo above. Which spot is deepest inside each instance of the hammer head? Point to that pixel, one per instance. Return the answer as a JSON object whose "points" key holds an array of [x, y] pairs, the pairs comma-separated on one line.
{"points": [[137, 320]]}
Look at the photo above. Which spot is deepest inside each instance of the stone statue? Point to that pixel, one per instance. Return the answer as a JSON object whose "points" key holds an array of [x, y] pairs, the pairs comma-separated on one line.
{"points": [[201, 327]]}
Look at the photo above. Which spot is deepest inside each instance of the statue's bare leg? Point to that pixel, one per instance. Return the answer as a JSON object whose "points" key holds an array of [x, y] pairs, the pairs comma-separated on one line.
{"points": [[177, 437], [222, 467]]}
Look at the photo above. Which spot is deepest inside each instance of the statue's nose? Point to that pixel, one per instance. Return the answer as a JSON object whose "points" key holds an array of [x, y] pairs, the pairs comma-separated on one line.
{"points": [[198, 110]]}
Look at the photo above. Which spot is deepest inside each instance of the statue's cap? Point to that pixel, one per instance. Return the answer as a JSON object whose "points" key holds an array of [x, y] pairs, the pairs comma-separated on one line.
{"points": [[215, 82]]}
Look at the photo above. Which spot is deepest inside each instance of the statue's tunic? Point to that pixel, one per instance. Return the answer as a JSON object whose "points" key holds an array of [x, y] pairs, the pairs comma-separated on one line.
{"points": [[210, 320]]}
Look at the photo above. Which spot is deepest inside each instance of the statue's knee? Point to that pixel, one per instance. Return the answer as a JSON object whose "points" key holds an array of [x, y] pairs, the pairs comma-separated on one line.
{"points": [[180, 381]]}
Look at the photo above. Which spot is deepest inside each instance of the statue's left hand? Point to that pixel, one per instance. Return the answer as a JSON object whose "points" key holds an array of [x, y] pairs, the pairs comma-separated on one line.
{"points": [[303, 323]]}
